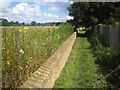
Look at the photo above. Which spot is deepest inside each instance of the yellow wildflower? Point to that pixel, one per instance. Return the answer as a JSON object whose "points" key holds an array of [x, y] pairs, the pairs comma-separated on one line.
{"points": [[20, 30], [28, 77], [7, 51], [25, 28], [8, 63], [51, 30], [3, 48]]}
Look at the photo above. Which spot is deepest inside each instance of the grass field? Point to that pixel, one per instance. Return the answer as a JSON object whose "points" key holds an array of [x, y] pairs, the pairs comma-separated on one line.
{"points": [[36, 44], [80, 70]]}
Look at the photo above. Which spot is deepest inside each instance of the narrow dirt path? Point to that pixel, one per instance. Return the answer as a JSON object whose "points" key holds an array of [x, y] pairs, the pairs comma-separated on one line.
{"points": [[80, 70]]}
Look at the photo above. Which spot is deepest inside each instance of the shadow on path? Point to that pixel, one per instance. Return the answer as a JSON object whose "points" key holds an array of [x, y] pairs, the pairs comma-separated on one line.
{"points": [[81, 35]]}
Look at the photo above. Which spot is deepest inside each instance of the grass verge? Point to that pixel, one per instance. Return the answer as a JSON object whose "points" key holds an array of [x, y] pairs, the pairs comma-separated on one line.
{"points": [[80, 70]]}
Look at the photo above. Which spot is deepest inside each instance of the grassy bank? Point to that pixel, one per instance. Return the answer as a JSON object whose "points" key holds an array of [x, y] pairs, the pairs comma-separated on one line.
{"points": [[80, 70]]}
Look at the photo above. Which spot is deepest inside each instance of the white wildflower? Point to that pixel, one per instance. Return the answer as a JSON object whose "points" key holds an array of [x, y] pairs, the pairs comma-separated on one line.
{"points": [[58, 36], [43, 43], [21, 51], [31, 57]]}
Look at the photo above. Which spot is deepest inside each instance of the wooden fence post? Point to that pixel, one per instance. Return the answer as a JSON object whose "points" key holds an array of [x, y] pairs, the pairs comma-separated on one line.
{"points": [[0, 56], [17, 35]]}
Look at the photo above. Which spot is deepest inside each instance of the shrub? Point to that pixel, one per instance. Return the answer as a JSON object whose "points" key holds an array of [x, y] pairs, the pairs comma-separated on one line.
{"points": [[107, 58]]}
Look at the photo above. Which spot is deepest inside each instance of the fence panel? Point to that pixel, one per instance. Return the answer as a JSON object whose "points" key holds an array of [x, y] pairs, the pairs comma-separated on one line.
{"points": [[110, 36], [105, 35], [114, 37], [119, 35]]}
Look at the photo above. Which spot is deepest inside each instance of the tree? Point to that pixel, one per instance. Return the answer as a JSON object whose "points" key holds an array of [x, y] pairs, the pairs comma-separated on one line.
{"points": [[4, 22], [33, 23], [58, 23], [23, 23], [38, 24], [11, 23], [89, 14], [16, 23]]}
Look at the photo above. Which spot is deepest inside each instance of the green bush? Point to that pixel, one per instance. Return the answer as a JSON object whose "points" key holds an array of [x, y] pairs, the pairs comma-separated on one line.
{"points": [[107, 58]]}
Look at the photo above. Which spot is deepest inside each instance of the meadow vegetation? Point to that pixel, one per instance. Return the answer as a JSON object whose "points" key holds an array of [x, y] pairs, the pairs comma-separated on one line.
{"points": [[36, 45]]}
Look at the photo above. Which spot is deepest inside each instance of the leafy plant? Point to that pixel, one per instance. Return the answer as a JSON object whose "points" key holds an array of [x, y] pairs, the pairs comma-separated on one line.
{"points": [[36, 46], [107, 58]]}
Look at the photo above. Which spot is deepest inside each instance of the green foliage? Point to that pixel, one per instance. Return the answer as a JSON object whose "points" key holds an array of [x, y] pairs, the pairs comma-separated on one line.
{"points": [[23, 23], [107, 58], [4, 22], [67, 28], [89, 14], [33, 23], [36, 46]]}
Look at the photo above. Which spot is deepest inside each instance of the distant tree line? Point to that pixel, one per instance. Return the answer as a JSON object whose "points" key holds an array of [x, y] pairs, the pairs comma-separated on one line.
{"points": [[5, 22]]}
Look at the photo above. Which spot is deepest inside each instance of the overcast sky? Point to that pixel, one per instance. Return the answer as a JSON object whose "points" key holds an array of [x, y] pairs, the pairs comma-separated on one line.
{"points": [[34, 10]]}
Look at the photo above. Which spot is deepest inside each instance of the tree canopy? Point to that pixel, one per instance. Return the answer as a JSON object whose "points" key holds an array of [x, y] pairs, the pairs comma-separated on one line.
{"points": [[91, 13], [4, 22], [33, 23]]}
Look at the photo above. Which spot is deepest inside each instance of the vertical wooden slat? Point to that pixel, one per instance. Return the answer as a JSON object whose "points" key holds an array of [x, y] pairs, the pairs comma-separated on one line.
{"points": [[0, 56], [17, 35]]}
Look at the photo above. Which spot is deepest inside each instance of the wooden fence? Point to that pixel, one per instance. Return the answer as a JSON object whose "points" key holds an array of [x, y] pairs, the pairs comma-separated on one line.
{"points": [[110, 35], [0, 57]]}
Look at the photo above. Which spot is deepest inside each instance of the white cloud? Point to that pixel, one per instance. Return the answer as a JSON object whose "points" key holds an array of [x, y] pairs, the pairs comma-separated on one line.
{"points": [[25, 9], [69, 17], [50, 0], [40, 1], [25, 12], [5, 17], [4, 3], [1, 14], [55, 0], [50, 15]]}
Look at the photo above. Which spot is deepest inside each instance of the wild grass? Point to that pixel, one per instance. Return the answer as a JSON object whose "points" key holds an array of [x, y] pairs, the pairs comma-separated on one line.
{"points": [[36, 46]]}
